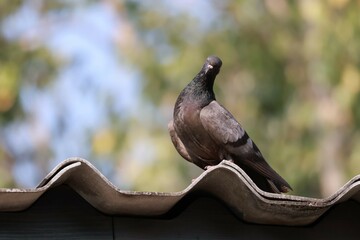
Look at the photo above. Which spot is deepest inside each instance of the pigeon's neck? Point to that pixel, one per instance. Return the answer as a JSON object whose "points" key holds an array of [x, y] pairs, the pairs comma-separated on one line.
{"points": [[201, 88]]}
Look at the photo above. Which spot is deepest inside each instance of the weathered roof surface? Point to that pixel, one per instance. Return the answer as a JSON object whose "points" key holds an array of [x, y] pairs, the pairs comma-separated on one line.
{"points": [[225, 181]]}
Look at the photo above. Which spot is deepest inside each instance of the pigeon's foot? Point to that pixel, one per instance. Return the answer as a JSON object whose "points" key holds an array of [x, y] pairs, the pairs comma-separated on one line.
{"points": [[228, 161], [209, 167], [223, 161]]}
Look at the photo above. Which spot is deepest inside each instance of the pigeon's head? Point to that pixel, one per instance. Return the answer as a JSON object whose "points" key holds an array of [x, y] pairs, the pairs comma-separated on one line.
{"points": [[212, 65]]}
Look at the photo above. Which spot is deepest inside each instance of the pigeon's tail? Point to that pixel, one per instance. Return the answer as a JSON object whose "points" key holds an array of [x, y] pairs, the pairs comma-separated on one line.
{"points": [[277, 183], [279, 188], [269, 180]]}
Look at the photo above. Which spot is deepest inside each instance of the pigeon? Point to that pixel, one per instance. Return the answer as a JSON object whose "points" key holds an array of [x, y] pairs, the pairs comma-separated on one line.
{"points": [[206, 133]]}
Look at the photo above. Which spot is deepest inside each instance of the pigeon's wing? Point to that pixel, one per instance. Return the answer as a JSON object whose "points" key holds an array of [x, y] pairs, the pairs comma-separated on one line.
{"points": [[221, 125], [226, 131]]}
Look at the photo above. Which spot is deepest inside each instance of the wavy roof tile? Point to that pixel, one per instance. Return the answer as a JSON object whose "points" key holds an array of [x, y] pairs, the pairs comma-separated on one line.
{"points": [[225, 181]]}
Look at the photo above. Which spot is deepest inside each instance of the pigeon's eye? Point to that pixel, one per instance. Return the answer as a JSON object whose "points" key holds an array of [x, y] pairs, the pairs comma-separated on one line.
{"points": [[214, 61]]}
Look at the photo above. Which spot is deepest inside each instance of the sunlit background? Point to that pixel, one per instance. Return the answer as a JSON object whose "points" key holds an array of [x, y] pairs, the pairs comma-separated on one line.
{"points": [[98, 80]]}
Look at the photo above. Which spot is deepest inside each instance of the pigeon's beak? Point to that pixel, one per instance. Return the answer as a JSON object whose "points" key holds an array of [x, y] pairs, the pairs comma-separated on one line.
{"points": [[208, 67]]}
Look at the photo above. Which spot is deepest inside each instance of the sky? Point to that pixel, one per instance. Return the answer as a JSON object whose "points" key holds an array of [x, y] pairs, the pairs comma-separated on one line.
{"points": [[75, 103]]}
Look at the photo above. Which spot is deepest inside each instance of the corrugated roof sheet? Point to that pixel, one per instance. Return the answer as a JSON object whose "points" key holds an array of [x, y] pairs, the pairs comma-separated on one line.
{"points": [[225, 181]]}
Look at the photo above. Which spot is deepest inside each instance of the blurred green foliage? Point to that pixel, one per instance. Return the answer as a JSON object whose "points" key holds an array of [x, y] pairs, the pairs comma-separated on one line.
{"points": [[17, 61], [290, 75]]}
